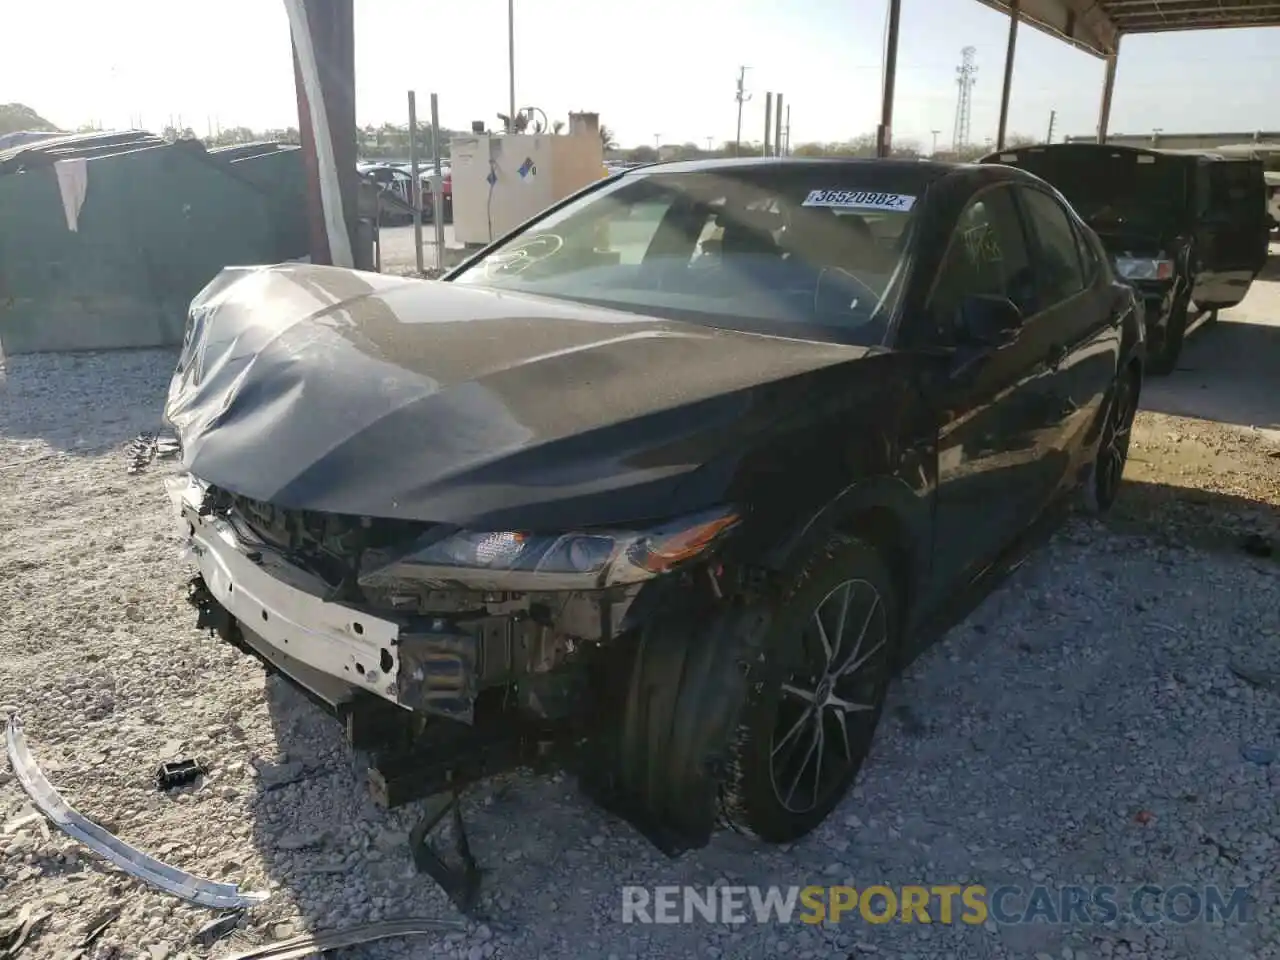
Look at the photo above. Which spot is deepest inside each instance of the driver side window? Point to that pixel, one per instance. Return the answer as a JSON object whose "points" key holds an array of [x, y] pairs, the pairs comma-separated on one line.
{"points": [[987, 255]]}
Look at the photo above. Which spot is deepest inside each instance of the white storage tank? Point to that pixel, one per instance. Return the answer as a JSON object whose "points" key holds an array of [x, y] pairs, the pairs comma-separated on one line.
{"points": [[500, 181]]}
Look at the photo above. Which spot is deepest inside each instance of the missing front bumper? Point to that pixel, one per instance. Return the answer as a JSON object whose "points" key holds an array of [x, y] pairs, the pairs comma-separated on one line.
{"points": [[193, 889], [276, 611]]}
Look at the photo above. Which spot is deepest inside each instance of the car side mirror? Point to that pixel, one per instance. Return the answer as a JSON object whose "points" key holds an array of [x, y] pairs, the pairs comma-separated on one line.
{"points": [[988, 322]]}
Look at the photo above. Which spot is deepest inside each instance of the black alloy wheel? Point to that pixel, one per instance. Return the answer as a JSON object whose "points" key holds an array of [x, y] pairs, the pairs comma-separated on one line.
{"points": [[1103, 485], [816, 693]]}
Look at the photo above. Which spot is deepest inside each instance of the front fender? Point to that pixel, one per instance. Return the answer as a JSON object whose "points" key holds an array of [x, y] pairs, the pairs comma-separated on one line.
{"points": [[888, 510]]}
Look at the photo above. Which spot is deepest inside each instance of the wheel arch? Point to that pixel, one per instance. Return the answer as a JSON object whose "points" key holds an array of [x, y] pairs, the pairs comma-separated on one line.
{"points": [[885, 512]]}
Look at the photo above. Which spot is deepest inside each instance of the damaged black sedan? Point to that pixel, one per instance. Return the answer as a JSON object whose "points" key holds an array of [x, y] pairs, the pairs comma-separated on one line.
{"points": [[672, 477]]}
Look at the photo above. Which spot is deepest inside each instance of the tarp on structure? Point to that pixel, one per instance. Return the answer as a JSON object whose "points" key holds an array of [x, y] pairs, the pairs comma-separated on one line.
{"points": [[155, 222], [19, 137], [45, 153], [276, 171]]}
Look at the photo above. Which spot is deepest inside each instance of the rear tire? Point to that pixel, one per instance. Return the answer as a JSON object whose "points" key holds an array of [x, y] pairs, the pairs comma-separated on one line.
{"points": [[1102, 486], [1164, 360], [815, 693]]}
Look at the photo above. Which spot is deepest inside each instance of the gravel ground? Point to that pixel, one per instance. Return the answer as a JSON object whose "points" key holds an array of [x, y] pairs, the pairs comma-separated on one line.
{"points": [[1106, 716]]}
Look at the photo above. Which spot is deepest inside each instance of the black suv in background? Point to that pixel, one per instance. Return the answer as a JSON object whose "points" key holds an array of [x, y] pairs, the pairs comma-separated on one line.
{"points": [[1189, 230]]}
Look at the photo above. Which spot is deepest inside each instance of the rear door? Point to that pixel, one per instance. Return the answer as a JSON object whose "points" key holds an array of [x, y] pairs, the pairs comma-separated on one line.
{"points": [[1077, 324], [996, 423], [1232, 234]]}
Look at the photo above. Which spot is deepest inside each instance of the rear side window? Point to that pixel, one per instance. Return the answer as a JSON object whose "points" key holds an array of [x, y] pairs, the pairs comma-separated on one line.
{"points": [[1059, 274], [1090, 263]]}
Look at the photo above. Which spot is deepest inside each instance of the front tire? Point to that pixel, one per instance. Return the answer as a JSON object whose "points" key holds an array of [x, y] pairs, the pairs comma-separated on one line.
{"points": [[815, 693]]}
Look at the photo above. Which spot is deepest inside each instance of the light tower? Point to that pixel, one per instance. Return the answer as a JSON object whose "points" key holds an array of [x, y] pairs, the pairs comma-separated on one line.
{"points": [[966, 77]]}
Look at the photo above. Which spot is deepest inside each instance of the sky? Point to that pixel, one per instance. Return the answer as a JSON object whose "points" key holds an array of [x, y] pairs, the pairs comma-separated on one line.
{"points": [[660, 68]]}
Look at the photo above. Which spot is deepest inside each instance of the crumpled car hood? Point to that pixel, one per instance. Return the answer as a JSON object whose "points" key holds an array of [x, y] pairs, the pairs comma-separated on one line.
{"points": [[340, 391]]}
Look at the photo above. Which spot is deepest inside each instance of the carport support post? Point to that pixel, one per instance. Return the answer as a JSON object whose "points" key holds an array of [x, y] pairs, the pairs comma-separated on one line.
{"points": [[1108, 87], [777, 127], [884, 130], [768, 122], [323, 37], [1008, 73]]}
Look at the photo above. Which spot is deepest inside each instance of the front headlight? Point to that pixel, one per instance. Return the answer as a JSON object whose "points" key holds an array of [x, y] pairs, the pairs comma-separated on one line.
{"points": [[1144, 268], [512, 560]]}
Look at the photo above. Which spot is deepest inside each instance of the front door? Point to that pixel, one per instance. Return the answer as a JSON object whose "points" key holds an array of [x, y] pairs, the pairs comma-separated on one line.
{"points": [[1233, 233], [998, 420]]}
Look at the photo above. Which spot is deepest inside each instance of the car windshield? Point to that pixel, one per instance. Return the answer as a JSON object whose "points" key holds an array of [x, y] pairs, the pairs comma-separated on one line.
{"points": [[1116, 190], [806, 250]]}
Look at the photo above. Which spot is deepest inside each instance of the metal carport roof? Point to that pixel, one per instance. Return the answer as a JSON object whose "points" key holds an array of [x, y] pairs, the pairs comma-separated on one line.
{"points": [[1095, 26]]}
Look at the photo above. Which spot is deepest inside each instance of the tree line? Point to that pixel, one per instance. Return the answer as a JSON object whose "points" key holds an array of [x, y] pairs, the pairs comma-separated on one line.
{"points": [[860, 146], [390, 141]]}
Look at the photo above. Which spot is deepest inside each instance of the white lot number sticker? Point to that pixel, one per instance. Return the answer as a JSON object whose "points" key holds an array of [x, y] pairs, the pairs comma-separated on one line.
{"points": [[859, 200]]}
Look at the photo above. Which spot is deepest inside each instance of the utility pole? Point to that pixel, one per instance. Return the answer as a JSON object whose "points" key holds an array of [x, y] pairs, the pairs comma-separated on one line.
{"points": [[786, 134], [511, 64], [742, 97], [935, 141], [768, 123], [1053, 115], [709, 139], [656, 138], [777, 127]]}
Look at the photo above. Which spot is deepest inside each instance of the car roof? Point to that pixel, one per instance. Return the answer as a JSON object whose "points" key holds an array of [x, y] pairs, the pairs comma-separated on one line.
{"points": [[964, 177], [1081, 148], [739, 163]]}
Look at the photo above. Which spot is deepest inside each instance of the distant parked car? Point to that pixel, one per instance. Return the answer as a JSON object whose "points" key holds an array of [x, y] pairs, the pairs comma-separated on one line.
{"points": [[1189, 230], [398, 184], [446, 193]]}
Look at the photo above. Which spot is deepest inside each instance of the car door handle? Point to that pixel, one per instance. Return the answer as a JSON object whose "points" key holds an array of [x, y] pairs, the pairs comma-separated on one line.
{"points": [[1057, 354]]}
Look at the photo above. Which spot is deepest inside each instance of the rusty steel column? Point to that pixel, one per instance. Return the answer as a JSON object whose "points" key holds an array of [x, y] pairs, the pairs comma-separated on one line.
{"points": [[1108, 88], [323, 38], [1008, 74], [884, 132]]}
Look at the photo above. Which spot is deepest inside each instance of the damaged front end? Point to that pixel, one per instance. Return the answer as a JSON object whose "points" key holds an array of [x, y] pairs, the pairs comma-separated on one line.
{"points": [[425, 616], [453, 653]]}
